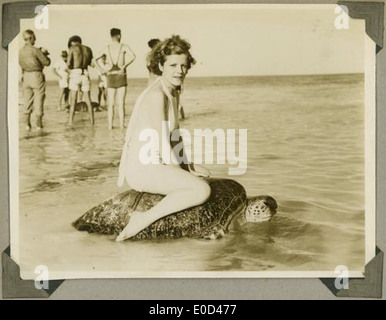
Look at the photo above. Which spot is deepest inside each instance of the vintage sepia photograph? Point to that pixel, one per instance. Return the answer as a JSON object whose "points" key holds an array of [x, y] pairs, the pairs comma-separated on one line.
{"points": [[192, 141]]}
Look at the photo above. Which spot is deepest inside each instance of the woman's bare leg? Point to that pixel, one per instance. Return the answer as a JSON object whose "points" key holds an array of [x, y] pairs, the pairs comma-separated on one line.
{"points": [[182, 112], [99, 96], [61, 97], [66, 97], [121, 95], [110, 107], [104, 95], [182, 189]]}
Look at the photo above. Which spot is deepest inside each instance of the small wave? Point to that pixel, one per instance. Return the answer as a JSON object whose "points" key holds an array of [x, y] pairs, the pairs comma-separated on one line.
{"points": [[202, 114], [47, 185], [33, 135], [267, 157], [100, 165]]}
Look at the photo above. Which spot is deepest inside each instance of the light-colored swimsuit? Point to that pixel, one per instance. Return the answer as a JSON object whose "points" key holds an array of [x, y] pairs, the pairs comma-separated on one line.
{"points": [[62, 69], [131, 169]]}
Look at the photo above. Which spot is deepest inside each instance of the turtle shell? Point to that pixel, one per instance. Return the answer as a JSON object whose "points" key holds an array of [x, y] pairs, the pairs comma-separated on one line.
{"points": [[227, 199]]}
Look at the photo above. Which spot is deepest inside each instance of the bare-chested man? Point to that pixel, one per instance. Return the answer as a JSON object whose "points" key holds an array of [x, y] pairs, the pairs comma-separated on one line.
{"points": [[119, 57], [79, 59]]}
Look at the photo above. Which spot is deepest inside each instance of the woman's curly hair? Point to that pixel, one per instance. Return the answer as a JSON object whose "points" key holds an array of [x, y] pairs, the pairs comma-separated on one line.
{"points": [[173, 45]]}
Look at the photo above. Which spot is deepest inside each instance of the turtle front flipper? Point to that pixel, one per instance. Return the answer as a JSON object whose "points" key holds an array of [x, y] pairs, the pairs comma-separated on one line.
{"points": [[213, 233]]}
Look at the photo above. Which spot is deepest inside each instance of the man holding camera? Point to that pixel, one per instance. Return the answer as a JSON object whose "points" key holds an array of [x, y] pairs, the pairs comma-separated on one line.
{"points": [[32, 60]]}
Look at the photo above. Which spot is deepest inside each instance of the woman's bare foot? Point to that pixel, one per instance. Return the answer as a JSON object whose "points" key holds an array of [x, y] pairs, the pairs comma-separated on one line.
{"points": [[137, 222], [200, 171]]}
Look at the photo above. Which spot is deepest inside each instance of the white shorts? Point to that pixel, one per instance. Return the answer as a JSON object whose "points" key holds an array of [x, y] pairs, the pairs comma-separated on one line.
{"points": [[63, 82], [103, 82], [79, 79]]}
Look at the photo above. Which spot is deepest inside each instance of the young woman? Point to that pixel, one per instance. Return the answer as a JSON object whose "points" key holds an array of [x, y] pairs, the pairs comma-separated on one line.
{"points": [[152, 76], [170, 60]]}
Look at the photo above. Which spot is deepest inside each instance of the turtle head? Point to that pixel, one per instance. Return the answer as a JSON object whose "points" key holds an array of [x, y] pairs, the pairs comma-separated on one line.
{"points": [[260, 208]]}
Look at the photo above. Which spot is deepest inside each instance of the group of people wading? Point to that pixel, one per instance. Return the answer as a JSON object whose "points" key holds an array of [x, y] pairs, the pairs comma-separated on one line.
{"points": [[72, 70]]}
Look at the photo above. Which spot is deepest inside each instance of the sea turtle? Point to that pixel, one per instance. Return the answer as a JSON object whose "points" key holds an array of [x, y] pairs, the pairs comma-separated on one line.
{"points": [[210, 220]]}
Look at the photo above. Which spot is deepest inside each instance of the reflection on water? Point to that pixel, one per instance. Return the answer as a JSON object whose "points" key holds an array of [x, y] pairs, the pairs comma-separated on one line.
{"points": [[305, 148]]}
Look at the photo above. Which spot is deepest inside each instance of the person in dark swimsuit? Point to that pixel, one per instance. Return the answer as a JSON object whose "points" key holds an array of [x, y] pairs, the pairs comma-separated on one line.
{"points": [[119, 57]]}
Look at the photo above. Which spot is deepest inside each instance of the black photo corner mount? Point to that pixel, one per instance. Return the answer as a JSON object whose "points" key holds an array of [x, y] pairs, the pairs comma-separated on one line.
{"points": [[373, 14], [15, 287], [368, 287], [12, 13]]}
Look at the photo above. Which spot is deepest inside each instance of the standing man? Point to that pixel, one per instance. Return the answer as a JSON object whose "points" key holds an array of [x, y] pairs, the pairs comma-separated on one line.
{"points": [[32, 60], [61, 70], [79, 59], [119, 57]]}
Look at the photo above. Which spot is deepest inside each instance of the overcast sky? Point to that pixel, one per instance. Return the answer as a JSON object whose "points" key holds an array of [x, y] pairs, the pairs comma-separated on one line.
{"points": [[226, 40]]}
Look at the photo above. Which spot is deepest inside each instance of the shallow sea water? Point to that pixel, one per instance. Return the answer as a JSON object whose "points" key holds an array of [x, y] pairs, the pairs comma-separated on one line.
{"points": [[305, 148]]}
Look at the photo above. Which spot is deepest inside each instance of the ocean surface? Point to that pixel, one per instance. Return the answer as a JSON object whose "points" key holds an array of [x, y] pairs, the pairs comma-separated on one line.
{"points": [[305, 148]]}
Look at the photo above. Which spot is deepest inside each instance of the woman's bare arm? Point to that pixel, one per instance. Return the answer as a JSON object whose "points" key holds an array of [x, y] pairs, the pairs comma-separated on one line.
{"points": [[153, 108]]}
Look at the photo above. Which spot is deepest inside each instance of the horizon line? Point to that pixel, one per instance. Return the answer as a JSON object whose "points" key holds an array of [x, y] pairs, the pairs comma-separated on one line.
{"points": [[246, 76]]}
